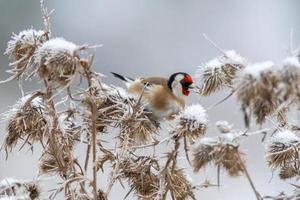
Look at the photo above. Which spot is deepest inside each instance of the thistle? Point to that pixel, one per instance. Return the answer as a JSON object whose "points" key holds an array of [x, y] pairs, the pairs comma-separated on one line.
{"points": [[220, 72], [255, 88], [192, 122], [21, 48], [58, 61], [283, 153], [27, 121]]}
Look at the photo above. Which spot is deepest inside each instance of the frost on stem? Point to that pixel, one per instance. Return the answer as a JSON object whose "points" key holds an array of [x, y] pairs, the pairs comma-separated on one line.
{"points": [[26, 121], [221, 152], [255, 88], [283, 154], [19, 189], [21, 48], [192, 122], [220, 72], [58, 61]]}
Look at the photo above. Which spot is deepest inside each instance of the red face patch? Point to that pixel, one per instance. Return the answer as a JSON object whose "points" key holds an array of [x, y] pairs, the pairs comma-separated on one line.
{"points": [[188, 79]]}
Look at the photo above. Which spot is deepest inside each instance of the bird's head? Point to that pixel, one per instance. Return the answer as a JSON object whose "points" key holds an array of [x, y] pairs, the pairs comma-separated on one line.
{"points": [[180, 83]]}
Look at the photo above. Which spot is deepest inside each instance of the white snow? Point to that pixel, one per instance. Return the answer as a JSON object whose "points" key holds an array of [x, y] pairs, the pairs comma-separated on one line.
{"points": [[291, 62], [230, 57], [58, 45], [256, 69], [234, 58], [194, 112], [285, 137], [26, 38], [207, 141]]}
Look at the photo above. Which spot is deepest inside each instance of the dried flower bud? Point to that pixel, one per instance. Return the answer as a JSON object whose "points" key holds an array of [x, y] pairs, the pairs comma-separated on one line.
{"points": [[137, 125], [139, 173], [27, 121], [21, 48], [220, 72], [282, 153], [255, 88], [192, 121], [220, 152], [289, 79], [178, 184], [58, 61]]}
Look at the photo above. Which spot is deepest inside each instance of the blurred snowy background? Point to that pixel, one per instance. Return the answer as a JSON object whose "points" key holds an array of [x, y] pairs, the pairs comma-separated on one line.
{"points": [[159, 37]]}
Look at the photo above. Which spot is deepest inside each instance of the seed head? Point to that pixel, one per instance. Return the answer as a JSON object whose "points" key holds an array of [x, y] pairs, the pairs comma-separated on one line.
{"points": [[220, 72], [21, 48], [192, 121], [58, 61], [27, 121], [255, 88]]}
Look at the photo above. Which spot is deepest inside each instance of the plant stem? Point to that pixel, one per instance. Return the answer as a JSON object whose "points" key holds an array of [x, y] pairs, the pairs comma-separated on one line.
{"points": [[258, 196]]}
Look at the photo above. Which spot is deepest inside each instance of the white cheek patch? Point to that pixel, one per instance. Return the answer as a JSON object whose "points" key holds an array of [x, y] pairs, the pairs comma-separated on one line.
{"points": [[177, 89]]}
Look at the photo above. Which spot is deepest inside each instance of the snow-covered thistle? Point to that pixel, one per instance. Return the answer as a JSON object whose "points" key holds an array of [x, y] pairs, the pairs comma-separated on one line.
{"points": [[255, 88], [220, 72], [21, 48], [26, 121], [283, 153], [192, 122], [58, 61]]}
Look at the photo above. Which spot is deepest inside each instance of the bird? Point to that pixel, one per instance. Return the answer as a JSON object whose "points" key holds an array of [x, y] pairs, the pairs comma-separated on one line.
{"points": [[162, 97]]}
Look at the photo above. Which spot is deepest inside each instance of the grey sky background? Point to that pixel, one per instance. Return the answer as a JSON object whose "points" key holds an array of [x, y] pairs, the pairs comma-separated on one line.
{"points": [[160, 37]]}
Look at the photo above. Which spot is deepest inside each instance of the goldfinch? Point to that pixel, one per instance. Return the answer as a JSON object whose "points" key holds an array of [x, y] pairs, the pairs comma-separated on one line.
{"points": [[163, 97]]}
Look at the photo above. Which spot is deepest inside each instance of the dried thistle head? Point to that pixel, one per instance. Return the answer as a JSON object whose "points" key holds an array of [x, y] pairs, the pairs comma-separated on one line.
{"points": [[20, 189], [289, 79], [192, 122], [137, 125], [139, 173], [21, 48], [220, 72], [26, 121], [220, 152], [204, 153], [256, 87], [178, 184], [110, 103], [283, 152], [58, 61]]}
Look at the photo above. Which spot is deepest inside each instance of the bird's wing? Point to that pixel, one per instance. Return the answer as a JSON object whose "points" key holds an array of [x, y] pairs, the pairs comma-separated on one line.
{"points": [[147, 84]]}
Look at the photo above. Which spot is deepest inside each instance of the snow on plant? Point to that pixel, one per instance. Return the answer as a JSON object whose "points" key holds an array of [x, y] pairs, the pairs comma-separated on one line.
{"points": [[81, 116], [21, 48], [283, 153], [220, 72]]}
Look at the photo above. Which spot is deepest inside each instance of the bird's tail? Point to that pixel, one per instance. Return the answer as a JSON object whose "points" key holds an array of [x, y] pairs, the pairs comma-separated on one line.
{"points": [[127, 80]]}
